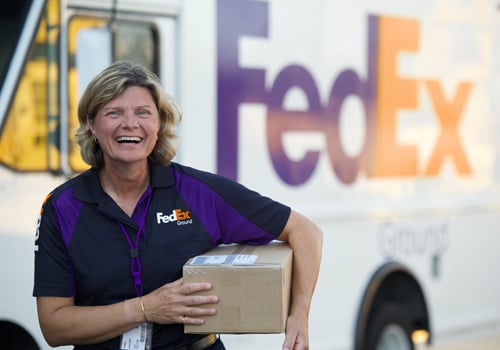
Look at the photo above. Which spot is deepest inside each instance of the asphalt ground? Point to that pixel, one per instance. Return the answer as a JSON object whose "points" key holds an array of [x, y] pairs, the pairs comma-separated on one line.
{"points": [[491, 343]]}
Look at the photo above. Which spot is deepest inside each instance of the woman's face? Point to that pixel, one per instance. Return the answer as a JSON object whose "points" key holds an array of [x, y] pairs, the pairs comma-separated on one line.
{"points": [[127, 126]]}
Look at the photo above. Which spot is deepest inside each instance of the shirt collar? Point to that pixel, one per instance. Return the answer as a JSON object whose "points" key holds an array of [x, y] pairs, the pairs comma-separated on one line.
{"points": [[88, 187]]}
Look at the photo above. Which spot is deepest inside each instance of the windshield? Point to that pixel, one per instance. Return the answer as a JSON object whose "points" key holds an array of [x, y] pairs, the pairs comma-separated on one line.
{"points": [[12, 19]]}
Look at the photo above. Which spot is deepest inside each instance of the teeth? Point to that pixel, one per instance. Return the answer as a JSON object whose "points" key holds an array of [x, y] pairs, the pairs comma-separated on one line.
{"points": [[129, 139]]}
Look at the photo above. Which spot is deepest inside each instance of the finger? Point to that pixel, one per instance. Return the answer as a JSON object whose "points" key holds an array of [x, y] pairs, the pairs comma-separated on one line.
{"points": [[291, 340], [189, 288], [191, 320], [199, 311], [194, 300]]}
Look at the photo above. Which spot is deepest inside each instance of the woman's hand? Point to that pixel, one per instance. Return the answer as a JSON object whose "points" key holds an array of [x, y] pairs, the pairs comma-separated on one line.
{"points": [[64, 323], [175, 303]]}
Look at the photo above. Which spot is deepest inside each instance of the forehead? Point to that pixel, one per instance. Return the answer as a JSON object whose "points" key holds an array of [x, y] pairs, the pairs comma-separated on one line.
{"points": [[132, 96]]}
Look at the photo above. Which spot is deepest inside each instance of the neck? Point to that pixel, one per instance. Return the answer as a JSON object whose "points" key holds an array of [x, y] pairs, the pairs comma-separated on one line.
{"points": [[125, 186]]}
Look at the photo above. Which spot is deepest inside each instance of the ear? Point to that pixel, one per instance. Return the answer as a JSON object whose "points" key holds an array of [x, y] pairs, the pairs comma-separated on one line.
{"points": [[90, 124]]}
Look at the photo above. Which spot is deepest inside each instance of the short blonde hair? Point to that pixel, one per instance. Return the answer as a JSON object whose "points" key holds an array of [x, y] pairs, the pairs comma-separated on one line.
{"points": [[109, 84]]}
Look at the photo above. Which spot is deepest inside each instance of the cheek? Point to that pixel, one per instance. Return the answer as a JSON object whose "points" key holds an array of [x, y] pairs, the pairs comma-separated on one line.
{"points": [[156, 128], [153, 129]]}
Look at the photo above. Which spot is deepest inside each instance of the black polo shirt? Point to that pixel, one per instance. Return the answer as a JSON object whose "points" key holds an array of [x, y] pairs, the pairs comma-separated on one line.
{"points": [[81, 251]]}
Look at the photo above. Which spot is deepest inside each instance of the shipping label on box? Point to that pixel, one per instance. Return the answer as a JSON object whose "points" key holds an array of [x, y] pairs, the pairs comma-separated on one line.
{"points": [[253, 285]]}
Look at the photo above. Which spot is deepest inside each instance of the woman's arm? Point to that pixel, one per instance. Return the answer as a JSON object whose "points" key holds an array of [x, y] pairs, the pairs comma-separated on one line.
{"points": [[64, 323], [306, 241]]}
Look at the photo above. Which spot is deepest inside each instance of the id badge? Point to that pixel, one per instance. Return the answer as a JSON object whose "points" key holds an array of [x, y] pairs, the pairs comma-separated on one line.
{"points": [[138, 338]]}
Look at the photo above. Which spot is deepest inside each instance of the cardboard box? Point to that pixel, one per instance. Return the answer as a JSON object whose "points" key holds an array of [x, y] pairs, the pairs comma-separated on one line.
{"points": [[253, 284]]}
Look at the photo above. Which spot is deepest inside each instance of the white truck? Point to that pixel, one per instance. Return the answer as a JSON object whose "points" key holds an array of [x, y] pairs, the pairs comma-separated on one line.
{"points": [[379, 120]]}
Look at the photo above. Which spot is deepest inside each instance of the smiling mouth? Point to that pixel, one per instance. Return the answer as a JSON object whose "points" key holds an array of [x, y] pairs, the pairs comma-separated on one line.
{"points": [[129, 139]]}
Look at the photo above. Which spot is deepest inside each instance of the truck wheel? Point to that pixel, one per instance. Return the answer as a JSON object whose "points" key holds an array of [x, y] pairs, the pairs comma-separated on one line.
{"points": [[14, 336], [390, 329]]}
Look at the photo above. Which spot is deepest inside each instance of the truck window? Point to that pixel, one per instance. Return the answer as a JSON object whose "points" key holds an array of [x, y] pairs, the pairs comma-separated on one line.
{"points": [[131, 40], [12, 19]]}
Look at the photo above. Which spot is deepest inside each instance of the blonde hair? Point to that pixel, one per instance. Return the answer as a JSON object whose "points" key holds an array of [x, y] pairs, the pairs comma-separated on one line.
{"points": [[109, 84]]}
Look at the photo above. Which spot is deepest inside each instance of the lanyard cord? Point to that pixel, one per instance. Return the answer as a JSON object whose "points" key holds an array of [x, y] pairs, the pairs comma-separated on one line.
{"points": [[135, 262]]}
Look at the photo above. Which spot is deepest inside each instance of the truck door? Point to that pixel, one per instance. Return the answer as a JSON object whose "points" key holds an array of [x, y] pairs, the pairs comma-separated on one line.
{"points": [[45, 66], [95, 39]]}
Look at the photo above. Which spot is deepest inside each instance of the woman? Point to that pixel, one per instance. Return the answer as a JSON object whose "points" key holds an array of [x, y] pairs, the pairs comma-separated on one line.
{"points": [[108, 269]]}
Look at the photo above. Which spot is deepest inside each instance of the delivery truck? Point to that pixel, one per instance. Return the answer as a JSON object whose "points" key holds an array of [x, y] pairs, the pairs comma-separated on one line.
{"points": [[377, 119]]}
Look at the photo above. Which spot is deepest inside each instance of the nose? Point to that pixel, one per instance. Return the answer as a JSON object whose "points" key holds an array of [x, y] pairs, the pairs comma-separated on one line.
{"points": [[130, 120]]}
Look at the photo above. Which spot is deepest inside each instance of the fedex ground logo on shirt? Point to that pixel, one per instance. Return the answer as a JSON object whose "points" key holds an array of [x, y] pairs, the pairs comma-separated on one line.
{"points": [[176, 215]]}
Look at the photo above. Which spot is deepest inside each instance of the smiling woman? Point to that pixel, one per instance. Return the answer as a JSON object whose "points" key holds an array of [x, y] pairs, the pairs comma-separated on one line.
{"points": [[115, 107], [126, 128], [95, 289]]}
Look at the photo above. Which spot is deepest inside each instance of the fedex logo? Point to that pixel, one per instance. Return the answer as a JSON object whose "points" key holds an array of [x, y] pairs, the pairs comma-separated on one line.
{"points": [[175, 215], [382, 93]]}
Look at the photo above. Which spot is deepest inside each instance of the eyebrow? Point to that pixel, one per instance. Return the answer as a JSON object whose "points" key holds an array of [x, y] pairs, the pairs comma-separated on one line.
{"points": [[119, 107]]}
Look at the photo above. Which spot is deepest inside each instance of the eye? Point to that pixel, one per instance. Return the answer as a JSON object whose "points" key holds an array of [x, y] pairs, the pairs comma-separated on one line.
{"points": [[143, 113], [112, 114]]}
